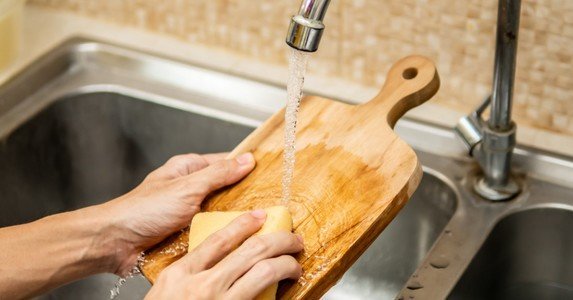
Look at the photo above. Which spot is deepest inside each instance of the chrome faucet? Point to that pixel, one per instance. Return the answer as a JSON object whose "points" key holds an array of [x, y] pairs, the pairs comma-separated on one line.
{"points": [[491, 142], [305, 29]]}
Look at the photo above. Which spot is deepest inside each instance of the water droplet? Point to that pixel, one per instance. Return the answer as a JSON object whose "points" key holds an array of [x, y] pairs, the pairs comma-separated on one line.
{"points": [[414, 285], [114, 292], [440, 263]]}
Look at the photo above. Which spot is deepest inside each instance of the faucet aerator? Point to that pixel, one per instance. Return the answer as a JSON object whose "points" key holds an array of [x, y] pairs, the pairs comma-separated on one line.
{"points": [[305, 29]]}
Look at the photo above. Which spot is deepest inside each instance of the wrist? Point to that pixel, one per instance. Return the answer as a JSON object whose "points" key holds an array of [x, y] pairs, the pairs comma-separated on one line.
{"points": [[120, 252], [108, 246]]}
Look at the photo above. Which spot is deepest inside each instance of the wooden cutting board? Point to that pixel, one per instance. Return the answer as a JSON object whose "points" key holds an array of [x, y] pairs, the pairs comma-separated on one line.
{"points": [[352, 176]]}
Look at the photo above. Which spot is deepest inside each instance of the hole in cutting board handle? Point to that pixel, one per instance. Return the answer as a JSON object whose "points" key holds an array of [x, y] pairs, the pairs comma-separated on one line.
{"points": [[410, 73]]}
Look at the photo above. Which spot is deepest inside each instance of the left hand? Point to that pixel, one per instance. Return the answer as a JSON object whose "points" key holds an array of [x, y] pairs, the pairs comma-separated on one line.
{"points": [[231, 263], [166, 201]]}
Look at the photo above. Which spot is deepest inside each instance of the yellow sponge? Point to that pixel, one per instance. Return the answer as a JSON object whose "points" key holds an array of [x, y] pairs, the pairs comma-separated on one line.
{"points": [[204, 224]]}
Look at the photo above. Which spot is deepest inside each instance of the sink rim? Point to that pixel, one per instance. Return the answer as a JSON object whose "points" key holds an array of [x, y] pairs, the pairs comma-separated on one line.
{"points": [[82, 65]]}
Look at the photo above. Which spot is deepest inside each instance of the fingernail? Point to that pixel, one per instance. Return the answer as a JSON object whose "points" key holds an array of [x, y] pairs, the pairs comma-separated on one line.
{"points": [[299, 237], [245, 158], [259, 213]]}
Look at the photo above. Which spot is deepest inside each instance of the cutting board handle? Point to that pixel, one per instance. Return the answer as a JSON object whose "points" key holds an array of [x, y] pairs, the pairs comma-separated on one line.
{"points": [[410, 82]]}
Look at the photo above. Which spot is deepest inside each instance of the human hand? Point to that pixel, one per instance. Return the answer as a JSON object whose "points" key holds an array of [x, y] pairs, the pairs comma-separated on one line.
{"points": [[166, 201], [214, 271]]}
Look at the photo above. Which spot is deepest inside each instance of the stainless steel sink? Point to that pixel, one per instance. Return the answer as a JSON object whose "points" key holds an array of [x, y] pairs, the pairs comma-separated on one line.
{"points": [[528, 255], [92, 147], [87, 121]]}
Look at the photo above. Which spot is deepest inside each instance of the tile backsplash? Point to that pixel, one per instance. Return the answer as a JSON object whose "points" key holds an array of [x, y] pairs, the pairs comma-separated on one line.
{"points": [[363, 38]]}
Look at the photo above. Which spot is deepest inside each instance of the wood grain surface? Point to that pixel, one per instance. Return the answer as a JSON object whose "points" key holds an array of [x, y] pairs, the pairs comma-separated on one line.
{"points": [[352, 176]]}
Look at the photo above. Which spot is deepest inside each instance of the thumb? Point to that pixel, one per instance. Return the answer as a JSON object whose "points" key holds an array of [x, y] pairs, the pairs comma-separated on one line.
{"points": [[222, 173]]}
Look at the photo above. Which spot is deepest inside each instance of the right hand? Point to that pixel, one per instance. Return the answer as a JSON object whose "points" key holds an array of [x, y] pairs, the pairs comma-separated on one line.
{"points": [[165, 202], [231, 263]]}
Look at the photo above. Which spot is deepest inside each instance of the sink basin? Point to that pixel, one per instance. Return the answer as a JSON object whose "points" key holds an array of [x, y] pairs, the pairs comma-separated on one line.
{"points": [[528, 255], [86, 122], [89, 148]]}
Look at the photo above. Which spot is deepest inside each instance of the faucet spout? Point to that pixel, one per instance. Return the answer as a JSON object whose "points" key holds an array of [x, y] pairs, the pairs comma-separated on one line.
{"points": [[305, 29]]}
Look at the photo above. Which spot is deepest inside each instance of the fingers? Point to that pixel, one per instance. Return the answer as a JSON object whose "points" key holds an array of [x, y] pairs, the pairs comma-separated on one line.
{"points": [[222, 242], [263, 274], [185, 164], [255, 249], [215, 157], [220, 174], [246, 272]]}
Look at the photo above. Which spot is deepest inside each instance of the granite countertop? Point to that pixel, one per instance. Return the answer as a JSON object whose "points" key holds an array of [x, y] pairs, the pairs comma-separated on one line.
{"points": [[45, 28]]}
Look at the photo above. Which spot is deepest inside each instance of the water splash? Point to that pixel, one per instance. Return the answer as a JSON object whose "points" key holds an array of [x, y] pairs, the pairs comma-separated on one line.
{"points": [[114, 292], [297, 67]]}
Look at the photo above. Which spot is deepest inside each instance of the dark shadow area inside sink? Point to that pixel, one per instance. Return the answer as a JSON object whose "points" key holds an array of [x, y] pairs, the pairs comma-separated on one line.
{"points": [[90, 148], [383, 270], [528, 255]]}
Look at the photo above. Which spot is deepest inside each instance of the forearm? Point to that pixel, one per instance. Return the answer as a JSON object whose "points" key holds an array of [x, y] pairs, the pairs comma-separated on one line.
{"points": [[55, 250]]}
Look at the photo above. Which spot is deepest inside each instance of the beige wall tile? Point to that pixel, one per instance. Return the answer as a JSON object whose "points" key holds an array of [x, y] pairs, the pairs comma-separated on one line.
{"points": [[363, 37]]}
